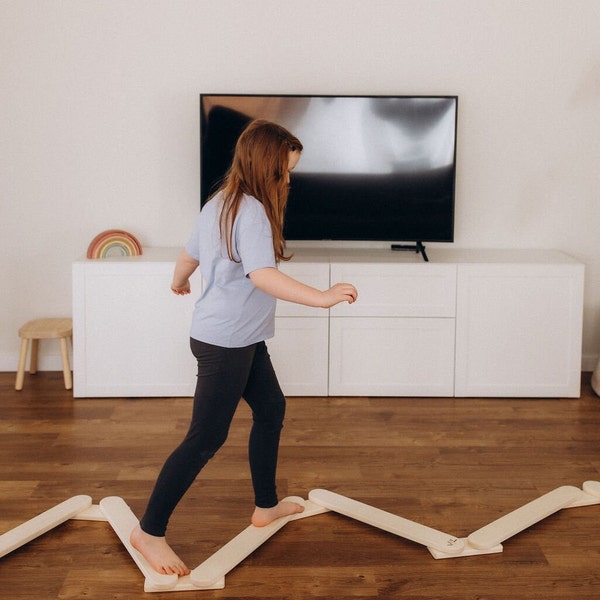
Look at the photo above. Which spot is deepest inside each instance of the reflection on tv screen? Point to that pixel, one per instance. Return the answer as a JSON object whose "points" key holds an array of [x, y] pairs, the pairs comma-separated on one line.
{"points": [[373, 168]]}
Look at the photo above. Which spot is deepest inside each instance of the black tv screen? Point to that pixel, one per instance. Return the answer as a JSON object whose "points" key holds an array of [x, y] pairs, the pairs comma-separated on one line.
{"points": [[374, 168]]}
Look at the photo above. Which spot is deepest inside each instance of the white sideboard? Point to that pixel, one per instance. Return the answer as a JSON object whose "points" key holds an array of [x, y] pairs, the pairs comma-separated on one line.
{"points": [[468, 323]]}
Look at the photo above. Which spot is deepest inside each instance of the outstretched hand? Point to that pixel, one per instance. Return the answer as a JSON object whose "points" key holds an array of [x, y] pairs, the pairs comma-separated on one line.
{"points": [[340, 292]]}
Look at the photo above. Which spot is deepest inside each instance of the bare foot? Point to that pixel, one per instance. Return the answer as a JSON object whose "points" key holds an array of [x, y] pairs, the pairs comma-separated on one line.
{"points": [[158, 553], [264, 516]]}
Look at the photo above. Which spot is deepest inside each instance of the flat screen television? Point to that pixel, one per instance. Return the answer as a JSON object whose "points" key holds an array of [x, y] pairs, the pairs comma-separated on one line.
{"points": [[374, 168]]}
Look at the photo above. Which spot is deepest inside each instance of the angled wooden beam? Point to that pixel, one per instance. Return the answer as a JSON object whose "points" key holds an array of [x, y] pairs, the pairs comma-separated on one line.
{"points": [[516, 521], [376, 517], [234, 552], [123, 521], [24, 533]]}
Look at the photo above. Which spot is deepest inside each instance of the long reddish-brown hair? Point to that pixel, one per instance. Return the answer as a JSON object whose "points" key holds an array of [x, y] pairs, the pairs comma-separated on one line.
{"points": [[259, 168]]}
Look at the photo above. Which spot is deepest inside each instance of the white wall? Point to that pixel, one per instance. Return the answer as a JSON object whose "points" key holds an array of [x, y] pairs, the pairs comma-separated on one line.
{"points": [[99, 118]]}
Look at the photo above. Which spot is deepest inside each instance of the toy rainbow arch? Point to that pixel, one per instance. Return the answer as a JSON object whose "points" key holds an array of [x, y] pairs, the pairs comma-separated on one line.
{"points": [[114, 243]]}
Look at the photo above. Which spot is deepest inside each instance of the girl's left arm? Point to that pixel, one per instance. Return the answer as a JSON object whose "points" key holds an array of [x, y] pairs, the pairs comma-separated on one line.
{"points": [[278, 284]]}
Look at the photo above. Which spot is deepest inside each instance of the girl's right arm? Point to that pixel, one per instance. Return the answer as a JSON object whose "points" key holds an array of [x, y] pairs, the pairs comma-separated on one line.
{"points": [[184, 267], [278, 284]]}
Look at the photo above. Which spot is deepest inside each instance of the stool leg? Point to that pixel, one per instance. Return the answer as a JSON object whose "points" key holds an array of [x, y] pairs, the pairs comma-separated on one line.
{"points": [[66, 366], [21, 367], [33, 361]]}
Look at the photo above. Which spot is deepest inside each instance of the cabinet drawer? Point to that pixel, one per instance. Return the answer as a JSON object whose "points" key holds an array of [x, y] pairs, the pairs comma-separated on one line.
{"points": [[397, 290], [314, 274]]}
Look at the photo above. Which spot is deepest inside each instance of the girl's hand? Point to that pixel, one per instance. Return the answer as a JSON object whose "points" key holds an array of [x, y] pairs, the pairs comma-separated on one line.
{"points": [[340, 292], [181, 290]]}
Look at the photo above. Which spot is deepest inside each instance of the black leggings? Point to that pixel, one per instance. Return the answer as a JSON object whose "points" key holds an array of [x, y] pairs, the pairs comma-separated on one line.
{"points": [[224, 376]]}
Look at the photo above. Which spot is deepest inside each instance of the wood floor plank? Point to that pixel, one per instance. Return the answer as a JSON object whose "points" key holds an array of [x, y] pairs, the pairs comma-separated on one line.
{"points": [[451, 464]]}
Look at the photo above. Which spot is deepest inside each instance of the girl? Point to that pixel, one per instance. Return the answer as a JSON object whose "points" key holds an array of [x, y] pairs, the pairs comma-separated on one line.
{"points": [[238, 241]]}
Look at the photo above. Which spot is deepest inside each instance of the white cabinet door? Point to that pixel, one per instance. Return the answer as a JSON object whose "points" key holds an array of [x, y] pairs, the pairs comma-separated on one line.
{"points": [[300, 354], [518, 330], [130, 332], [391, 357]]}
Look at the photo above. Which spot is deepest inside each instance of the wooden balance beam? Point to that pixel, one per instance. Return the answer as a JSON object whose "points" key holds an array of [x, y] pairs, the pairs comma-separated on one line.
{"points": [[211, 573], [527, 515], [234, 552], [24, 533], [123, 521], [421, 534]]}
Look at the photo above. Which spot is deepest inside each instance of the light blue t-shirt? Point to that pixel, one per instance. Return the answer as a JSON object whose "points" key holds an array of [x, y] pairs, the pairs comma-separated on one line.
{"points": [[231, 312]]}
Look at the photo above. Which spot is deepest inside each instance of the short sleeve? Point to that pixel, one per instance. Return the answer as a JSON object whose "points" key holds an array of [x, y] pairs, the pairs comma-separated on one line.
{"points": [[192, 246], [254, 238]]}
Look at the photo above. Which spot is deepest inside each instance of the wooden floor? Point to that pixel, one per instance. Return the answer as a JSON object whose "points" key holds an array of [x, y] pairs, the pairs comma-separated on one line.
{"points": [[452, 464]]}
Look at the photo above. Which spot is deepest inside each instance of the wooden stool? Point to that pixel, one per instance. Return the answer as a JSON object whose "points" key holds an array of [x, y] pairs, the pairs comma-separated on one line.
{"points": [[41, 329]]}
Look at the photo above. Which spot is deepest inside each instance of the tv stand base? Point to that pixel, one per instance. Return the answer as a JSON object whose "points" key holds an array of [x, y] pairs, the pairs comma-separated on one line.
{"points": [[418, 248]]}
